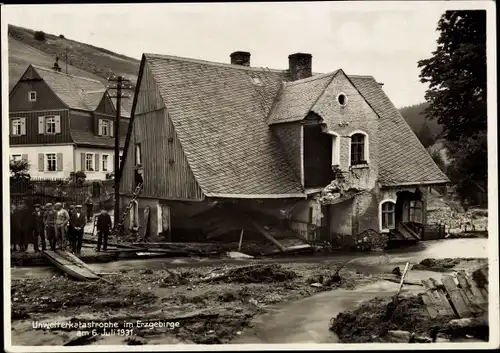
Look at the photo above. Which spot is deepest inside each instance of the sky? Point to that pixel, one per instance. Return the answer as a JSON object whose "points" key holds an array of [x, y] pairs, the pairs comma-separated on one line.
{"points": [[384, 40]]}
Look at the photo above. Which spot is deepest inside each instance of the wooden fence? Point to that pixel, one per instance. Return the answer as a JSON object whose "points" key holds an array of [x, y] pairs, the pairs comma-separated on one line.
{"points": [[43, 191]]}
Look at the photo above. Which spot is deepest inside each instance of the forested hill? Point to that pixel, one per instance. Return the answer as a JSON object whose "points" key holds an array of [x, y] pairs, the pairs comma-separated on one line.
{"points": [[426, 130]]}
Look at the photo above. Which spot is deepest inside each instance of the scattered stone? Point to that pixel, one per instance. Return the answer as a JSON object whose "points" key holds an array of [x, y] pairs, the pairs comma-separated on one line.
{"points": [[317, 285], [398, 336], [253, 301], [422, 339], [397, 271], [147, 272], [238, 255]]}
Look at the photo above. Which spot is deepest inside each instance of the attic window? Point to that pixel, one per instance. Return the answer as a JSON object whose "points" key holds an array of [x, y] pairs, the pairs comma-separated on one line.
{"points": [[31, 96], [257, 81], [342, 99]]}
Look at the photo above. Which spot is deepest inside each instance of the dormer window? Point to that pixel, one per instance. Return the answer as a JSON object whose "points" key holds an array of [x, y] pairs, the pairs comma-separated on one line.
{"points": [[31, 96], [105, 128], [359, 148]]}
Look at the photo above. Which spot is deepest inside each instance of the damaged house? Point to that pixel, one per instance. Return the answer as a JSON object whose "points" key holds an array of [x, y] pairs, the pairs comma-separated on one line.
{"points": [[221, 149]]}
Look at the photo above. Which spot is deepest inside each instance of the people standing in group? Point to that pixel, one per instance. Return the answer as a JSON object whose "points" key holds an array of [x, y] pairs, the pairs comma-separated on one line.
{"points": [[49, 219], [61, 225], [104, 225], [38, 228], [89, 207], [69, 235], [77, 223]]}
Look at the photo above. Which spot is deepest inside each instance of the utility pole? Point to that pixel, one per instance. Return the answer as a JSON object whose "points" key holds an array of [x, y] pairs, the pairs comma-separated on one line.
{"points": [[120, 84]]}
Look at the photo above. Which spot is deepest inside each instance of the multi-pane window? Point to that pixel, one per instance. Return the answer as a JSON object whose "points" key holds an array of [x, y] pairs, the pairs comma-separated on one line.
{"points": [[105, 161], [388, 216], [358, 149], [416, 214], [105, 128], [51, 162], [50, 124], [89, 162], [32, 96], [16, 127]]}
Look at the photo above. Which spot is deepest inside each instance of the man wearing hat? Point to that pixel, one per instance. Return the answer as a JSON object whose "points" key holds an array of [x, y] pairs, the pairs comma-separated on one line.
{"points": [[77, 223], [104, 225], [62, 221], [38, 228], [49, 219]]}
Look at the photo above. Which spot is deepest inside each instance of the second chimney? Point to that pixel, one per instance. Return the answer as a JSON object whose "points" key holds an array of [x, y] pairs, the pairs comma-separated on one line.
{"points": [[300, 66], [240, 58]]}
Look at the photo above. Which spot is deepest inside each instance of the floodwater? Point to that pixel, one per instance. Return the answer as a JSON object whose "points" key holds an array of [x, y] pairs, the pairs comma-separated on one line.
{"points": [[307, 320], [439, 249]]}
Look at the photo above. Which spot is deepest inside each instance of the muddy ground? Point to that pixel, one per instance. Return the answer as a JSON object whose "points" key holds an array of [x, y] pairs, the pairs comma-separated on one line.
{"points": [[405, 319], [203, 304]]}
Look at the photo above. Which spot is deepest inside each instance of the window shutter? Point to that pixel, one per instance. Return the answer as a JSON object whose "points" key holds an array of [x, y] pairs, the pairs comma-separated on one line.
{"points": [[41, 125], [111, 128], [59, 163], [11, 127], [97, 162], [82, 161], [24, 156], [23, 126], [41, 160], [58, 124], [99, 127]]}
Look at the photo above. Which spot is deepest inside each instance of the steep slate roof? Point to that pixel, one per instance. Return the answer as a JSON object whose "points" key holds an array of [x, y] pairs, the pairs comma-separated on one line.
{"points": [[298, 97], [403, 159], [219, 115], [76, 92], [85, 136]]}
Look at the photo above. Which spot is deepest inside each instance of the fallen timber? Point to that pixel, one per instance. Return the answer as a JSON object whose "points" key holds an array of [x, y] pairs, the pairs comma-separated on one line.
{"points": [[71, 265]]}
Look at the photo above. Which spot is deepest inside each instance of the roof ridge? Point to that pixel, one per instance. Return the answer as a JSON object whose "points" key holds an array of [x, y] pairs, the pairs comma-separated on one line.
{"points": [[312, 78], [212, 63], [62, 73]]}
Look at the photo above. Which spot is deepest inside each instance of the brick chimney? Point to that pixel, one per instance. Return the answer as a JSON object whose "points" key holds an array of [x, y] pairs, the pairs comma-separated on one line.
{"points": [[240, 58], [300, 66]]}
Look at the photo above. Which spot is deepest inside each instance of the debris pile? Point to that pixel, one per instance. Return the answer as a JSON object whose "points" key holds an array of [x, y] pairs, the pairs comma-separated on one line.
{"points": [[341, 188], [444, 265], [371, 240], [377, 319], [253, 274]]}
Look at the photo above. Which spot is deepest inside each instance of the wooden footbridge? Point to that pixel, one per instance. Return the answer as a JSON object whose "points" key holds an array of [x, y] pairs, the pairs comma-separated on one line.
{"points": [[71, 265]]}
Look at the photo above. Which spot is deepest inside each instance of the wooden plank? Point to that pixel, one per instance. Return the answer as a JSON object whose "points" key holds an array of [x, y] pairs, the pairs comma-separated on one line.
{"points": [[466, 288], [431, 305], [479, 294], [446, 308], [71, 269], [75, 260], [403, 278], [268, 236], [456, 297]]}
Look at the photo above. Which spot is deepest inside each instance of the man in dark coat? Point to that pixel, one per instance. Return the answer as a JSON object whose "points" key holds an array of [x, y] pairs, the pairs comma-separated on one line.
{"points": [[49, 219], [103, 224], [14, 229], [22, 219], [38, 229], [69, 234], [77, 222], [89, 205]]}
